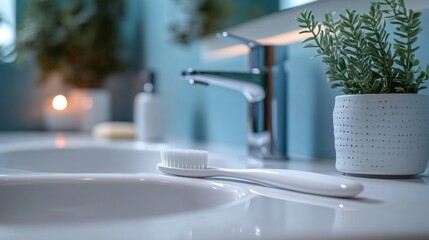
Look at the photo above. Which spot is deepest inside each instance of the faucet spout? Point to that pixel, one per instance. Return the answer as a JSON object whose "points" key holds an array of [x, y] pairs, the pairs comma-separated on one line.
{"points": [[264, 88], [253, 92]]}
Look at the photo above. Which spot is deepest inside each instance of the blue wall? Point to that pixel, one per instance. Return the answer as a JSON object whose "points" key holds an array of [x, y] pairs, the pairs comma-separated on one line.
{"points": [[217, 115], [204, 114], [19, 98]]}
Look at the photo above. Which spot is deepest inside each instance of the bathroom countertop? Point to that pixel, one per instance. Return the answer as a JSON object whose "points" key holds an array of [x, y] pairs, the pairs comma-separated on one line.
{"points": [[386, 209]]}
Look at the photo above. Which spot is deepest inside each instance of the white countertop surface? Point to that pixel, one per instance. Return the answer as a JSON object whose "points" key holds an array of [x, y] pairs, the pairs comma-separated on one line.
{"points": [[386, 209]]}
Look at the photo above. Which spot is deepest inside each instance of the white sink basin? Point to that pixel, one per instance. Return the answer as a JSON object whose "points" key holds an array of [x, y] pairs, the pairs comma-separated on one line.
{"points": [[88, 157], [48, 199]]}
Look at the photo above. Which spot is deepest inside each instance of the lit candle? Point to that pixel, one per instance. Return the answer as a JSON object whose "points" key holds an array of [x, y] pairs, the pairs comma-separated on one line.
{"points": [[58, 115], [59, 103]]}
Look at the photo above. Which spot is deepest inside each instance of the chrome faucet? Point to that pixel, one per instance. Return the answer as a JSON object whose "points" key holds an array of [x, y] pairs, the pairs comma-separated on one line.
{"points": [[264, 88]]}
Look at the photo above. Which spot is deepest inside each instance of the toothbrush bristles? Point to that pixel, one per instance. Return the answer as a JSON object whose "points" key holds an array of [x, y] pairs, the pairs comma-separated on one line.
{"points": [[184, 158]]}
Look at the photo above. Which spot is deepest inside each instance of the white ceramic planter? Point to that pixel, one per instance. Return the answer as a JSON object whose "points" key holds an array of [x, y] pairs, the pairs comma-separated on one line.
{"points": [[381, 134]]}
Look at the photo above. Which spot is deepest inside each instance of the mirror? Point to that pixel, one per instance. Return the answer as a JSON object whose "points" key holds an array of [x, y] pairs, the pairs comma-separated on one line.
{"points": [[204, 17]]}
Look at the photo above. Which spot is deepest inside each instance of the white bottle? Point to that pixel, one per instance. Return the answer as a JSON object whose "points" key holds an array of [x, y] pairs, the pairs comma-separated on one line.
{"points": [[147, 110]]}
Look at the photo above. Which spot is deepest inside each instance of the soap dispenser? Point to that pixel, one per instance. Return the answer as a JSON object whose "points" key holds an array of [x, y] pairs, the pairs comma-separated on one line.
{"points": [[147, 110]]}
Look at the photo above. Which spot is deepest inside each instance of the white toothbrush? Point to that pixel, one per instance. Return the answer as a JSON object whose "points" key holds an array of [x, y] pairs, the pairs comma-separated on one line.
{"points": [[193, 163]]}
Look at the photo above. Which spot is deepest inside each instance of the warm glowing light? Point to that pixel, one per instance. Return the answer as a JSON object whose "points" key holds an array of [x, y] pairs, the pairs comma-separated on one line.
{"points": [[60, 141], [226, 52], [287, 38], [59, 102], [86, 103], [284, 38]]}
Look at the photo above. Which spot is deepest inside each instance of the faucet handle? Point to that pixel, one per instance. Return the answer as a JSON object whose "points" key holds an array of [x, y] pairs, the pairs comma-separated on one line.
{"points": [[260, 56], [237, 39]]}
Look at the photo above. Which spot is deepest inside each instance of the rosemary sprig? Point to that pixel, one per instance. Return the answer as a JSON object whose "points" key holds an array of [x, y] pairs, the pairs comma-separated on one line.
{"points": [[356, 48]]}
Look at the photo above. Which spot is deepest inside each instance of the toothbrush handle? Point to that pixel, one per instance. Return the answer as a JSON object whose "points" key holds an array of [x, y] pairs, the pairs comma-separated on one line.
{"points": [[299, 181]]}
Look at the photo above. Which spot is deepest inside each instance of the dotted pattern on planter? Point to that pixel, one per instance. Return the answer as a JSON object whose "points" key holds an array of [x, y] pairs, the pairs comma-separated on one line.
{"points": [[381, 133]]}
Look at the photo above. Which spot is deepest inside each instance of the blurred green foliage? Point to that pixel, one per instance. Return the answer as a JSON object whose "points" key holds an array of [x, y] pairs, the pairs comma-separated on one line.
{"points": [[79, 38]]}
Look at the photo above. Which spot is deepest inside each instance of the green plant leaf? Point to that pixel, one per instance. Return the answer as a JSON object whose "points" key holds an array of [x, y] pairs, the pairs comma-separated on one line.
{"points": [[359, 54]]}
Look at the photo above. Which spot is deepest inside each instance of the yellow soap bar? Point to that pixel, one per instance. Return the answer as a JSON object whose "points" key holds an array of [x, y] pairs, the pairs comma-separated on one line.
{"points": [[114, 130]]}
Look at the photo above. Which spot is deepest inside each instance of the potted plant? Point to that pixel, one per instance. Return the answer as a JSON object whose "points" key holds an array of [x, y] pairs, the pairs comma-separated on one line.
{"points": [[77, 42], [381, 125]]}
